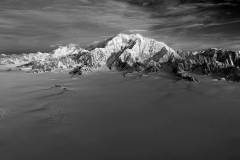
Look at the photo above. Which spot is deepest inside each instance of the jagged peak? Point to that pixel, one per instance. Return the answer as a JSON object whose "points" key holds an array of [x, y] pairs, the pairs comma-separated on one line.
{"points": [[143, 45], [122, 38], [62, 51]]}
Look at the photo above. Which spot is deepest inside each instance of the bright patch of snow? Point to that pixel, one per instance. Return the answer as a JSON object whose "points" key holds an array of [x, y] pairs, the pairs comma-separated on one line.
{"points": [[142, 50]]}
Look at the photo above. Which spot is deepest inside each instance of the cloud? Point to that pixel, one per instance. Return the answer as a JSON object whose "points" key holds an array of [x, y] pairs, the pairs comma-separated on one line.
{"points": [[183, 23], [67, 21], [38, 24]]}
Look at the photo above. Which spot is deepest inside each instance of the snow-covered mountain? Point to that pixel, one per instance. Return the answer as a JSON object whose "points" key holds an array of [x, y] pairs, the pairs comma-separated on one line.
{"points": [[60, 52], [143, 49], [126, 47]]}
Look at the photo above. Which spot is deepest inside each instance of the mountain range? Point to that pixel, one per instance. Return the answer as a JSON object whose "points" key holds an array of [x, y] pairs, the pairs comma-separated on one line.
{"points": [[130, 53]]}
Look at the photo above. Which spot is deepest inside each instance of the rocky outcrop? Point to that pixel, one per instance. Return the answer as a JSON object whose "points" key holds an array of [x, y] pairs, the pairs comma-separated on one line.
{"points": [[214, 62], [218, 63]]}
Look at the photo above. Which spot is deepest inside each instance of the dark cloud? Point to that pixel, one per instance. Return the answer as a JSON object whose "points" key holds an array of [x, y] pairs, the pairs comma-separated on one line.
{"points": [[194, 23], [37, 24], [32, 25]]}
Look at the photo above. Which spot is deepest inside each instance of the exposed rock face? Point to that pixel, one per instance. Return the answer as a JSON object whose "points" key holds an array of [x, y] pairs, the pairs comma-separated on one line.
{"points": [[214, 62], [221, 63]]}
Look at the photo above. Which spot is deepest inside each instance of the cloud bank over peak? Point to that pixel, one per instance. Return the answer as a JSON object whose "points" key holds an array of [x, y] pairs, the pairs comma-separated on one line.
{"points": [[195, 23]]}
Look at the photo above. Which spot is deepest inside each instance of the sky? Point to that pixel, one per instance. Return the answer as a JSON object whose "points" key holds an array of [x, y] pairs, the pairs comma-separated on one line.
{"points": [[41, 25]]}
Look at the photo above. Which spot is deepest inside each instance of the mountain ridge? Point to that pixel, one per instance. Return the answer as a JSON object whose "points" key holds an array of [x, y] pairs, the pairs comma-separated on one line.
{"points": [[100, 52]]}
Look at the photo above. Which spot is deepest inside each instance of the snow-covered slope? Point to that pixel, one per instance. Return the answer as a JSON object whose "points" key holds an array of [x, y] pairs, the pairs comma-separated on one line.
{"points": [[20, 59], [143, 49], [67, 57]]}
